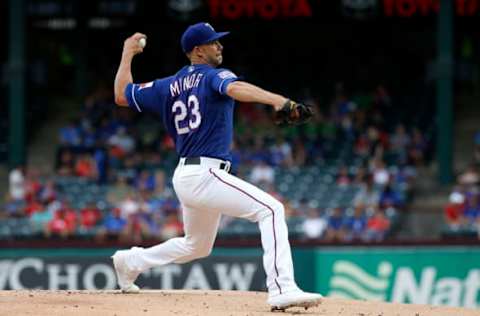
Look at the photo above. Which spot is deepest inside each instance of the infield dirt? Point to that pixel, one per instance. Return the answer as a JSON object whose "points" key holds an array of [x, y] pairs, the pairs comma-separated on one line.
{"points": [[190, 303]]}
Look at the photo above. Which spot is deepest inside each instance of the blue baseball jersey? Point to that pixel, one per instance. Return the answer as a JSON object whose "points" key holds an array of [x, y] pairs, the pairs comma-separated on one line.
{"points": [[194, 107]]}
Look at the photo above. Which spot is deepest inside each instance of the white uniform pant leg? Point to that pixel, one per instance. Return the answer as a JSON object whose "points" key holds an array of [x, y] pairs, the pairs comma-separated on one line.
{"points": [[200, 228], [225, 193], [205, 193]]}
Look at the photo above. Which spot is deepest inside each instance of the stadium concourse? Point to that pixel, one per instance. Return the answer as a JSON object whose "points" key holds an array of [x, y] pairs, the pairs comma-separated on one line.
{"points": [[345, 176]]}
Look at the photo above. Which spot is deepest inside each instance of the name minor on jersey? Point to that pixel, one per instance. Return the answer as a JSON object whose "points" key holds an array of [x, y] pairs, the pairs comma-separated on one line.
{"points": [[185, 83]]}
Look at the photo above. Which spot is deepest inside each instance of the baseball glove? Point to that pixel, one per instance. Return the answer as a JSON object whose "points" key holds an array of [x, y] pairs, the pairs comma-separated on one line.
{"points": [[293, 113]]}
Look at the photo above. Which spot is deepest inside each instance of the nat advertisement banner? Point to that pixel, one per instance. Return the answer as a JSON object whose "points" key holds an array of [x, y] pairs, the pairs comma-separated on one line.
{"points": [[438, 276]]}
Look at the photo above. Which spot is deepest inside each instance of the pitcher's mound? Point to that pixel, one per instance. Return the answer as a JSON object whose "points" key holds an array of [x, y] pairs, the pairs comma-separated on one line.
{"points": [[189, 303]]}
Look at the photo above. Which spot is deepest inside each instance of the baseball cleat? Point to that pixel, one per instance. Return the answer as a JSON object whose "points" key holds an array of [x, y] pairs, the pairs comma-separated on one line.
{"points": [[125, 275], [132, 289], [298, 298]]}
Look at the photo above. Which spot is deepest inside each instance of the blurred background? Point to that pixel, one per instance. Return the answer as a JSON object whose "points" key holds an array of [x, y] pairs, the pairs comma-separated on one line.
{"points": [[380, 187]]}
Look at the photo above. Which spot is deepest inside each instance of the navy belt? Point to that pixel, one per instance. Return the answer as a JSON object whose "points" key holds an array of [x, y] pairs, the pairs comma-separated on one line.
{"points": [[197, 161]]}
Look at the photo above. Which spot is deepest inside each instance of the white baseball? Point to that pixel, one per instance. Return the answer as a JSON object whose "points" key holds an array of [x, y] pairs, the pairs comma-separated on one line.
{"points": [[142, 42]]}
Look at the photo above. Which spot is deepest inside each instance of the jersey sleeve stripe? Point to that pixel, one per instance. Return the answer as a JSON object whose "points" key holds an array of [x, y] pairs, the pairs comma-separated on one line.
{"points": [[134, 100], [220, 86]]}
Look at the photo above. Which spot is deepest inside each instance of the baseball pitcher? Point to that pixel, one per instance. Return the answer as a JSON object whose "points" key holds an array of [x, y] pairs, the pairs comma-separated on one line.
{"points": [[196, 106]]}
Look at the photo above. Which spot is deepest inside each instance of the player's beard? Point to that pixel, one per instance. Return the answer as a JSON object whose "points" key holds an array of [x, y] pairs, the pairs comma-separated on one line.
{"points": [[216, 60]]}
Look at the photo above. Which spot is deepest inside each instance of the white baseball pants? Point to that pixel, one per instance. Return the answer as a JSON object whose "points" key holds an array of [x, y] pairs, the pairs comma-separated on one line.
{"points": [[206, 192]]}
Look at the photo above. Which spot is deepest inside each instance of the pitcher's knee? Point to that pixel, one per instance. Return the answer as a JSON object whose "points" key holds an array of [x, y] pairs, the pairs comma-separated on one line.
{"points": [[204, 252], [273, 208], [199, 249]]}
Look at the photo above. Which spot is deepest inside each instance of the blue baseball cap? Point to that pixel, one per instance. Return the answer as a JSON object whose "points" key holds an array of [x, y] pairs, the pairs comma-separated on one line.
{"points": [[199, 34]]}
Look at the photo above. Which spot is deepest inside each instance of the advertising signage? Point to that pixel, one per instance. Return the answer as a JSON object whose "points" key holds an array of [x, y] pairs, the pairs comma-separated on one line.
{"points": [[87, 270], [321, 11], [411, 8], [328, 10], [264, 9], [446, 276]]}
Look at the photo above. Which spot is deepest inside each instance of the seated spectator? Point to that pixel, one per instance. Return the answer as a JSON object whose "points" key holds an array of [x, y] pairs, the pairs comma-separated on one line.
{"points": [[356, 225], [129, 206], [381, 176], [66, 163], [454, 211], [167, 144], [90, 217], [32, 184], [129, 167], [335, 230], [70, 135], [377, 226], [471, 213], [48, 192], [155, 222], [161, 189], [40, 219], [89, 136], [121, 144], [314, 225], [64, 222], [469, 177], [145, 181], [139, 224], [33, 206], [172, 226], [389, 197], [85, 167], [106, 129], [262, 172], [299, 209], [113, 226], [16, 184], [119, 191], [404, 176], [367, 196]]}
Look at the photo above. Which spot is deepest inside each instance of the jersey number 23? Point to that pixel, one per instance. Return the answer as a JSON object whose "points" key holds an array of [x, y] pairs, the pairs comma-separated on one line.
{"points": [[187, 116]]}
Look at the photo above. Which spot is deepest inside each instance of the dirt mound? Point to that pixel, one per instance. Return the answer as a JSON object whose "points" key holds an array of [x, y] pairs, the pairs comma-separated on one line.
{"points": [[189, 303]]}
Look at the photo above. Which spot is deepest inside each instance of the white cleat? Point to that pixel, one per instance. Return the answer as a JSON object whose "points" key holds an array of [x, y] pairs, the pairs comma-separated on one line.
{"points": [[132, 289], [125, 276], [298, 298]]}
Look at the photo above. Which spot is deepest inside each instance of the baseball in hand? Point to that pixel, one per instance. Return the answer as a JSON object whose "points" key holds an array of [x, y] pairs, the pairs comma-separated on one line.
{"points": [[142, 42]]}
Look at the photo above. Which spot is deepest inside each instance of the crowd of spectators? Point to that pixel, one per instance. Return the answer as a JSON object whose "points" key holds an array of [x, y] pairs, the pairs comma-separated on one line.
{"points": [[132, 156], [142, 210], [462, 212], [369, 218]]}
